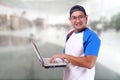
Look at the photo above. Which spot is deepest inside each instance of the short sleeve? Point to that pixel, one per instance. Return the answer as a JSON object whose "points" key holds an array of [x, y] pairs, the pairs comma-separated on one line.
{"points": [[91, 43]]}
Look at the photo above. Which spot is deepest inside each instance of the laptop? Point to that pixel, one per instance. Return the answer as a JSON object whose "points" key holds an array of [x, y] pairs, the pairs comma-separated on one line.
{"points": [[45, 61]]}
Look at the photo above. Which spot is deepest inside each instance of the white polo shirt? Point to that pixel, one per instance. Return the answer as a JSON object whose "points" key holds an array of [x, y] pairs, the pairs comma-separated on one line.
{"points": [[81, 44]]}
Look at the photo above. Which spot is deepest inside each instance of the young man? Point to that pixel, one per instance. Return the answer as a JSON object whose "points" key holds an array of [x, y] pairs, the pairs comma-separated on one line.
{"points": [[81, 48]]}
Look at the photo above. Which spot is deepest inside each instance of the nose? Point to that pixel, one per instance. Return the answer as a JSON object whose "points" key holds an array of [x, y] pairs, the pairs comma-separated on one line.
{"points": [[78, 20]]}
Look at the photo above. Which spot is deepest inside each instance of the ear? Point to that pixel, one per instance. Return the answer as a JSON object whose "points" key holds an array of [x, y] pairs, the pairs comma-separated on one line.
{"points": [[86, 17]]}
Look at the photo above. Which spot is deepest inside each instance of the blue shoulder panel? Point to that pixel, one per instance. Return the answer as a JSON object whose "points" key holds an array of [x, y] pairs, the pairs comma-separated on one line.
{"points": [[91, 43]]}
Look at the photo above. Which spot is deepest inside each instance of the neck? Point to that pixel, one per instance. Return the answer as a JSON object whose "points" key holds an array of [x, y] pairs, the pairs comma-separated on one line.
{"points": [[79, 30]]}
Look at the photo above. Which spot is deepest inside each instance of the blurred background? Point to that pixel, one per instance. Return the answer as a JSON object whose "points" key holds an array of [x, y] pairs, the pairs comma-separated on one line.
{"points": [[46, 21]]}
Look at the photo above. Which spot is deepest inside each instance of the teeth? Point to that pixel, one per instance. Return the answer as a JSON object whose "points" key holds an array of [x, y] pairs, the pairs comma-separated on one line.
{"points": [[78, 24]]}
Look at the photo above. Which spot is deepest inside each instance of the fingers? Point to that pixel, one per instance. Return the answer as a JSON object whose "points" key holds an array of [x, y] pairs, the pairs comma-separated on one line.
{"points": [[56, 56], [51, 59], [42, 65]]}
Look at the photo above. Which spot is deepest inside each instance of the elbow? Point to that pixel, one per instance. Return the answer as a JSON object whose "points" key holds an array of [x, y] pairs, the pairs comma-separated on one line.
{"points": [[90, 66]]}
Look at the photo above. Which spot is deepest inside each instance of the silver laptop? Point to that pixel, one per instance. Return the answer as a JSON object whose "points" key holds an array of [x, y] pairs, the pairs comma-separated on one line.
{"points": [[45, 61]]}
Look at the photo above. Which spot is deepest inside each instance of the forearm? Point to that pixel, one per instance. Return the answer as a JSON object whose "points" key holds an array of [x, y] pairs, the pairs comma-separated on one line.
{"points": [[85, 61]]}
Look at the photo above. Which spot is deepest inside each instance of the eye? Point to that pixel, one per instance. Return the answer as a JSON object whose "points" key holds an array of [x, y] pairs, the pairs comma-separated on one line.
{"points": [[73, 17], [77, 17], [81, 17]]}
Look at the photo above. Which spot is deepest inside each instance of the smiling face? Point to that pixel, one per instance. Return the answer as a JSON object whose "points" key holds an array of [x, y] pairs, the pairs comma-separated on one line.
{"points": [[78, 20]]}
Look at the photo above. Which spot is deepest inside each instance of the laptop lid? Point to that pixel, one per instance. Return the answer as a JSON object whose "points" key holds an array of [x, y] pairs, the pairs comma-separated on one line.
{"points": [[38, 54]]}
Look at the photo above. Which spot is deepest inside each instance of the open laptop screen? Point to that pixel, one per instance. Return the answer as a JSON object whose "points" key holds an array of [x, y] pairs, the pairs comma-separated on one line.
{"points": [[38, 54]]}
